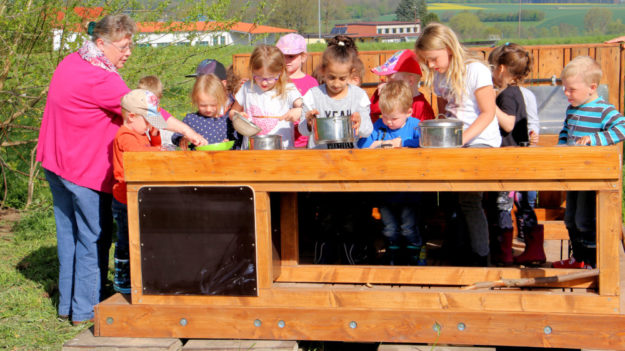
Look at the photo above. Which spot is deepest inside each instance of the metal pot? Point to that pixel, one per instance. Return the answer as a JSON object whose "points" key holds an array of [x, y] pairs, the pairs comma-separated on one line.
{"points": [[244, 126], [266, 142], [441, 133], [333, 130]]}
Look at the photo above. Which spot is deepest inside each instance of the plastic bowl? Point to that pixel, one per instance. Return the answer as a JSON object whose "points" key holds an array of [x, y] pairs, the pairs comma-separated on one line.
{"points": [[226, 145]]}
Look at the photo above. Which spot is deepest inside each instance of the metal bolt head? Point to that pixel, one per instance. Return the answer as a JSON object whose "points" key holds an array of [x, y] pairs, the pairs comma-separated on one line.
{"points": [[353, 325], [183, 322], [257, 323], [281, 324], [109, 320], [436, 327], [461, 326], [547, 330]]}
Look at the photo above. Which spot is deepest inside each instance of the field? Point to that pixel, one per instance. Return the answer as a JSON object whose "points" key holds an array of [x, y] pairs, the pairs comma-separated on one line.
{"points": [[555, 14]]}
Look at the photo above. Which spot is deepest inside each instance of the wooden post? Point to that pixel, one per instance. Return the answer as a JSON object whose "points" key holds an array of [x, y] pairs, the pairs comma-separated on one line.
{"points": [[289, 229]]}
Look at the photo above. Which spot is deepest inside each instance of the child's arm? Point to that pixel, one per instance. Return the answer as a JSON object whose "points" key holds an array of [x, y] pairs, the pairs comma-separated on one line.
{"points": [[485, 97], [294, 114], [174, 124], [613, 130], [506, 121], [364, 126], [563, 137]]}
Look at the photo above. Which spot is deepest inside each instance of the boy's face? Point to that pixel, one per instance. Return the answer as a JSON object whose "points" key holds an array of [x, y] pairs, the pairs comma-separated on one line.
{"points": [[294, 62], [135, 122], [396, 119], [577, 91]]}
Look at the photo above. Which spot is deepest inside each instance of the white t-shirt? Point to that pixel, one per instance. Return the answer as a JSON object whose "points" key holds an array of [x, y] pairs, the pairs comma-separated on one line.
{"points": [[256, 102], [477, 76], [531, 107], [317, 98]]}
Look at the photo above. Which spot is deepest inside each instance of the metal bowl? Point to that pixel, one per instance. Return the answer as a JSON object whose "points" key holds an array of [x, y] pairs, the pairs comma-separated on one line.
{"points": [[333, 130], [441, 133], [244, 126], [266, 142]]}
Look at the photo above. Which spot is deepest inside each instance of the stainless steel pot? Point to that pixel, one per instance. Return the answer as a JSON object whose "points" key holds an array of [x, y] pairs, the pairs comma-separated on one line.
{"points": [[441, 133], [266, 142], [244, 126], [333, 130]]}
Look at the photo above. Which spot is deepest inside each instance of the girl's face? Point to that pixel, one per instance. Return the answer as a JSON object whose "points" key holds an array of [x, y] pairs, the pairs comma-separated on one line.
{"points": [[116, 51], [264, 79], [207, 105], [336, 77], [437, 60], [294, 62]]}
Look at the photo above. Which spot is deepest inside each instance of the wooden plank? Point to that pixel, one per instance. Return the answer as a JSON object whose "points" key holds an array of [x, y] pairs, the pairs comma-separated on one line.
{"points": [[370, 60], [392, 297], [134, 246], [289, 229], [405, 164], [428, 276], [621, 85], [555, 230], [607, 59], [550, 62], [264, 246], [609, 222], [344, 324]]}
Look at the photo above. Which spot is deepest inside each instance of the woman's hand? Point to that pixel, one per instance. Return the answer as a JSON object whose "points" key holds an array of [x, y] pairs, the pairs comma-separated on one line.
{"points": [[356, 121], [195, 138]]}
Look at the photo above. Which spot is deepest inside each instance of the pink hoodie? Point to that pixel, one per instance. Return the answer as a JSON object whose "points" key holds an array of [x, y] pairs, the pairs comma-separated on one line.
{"points": [[81, 117]]}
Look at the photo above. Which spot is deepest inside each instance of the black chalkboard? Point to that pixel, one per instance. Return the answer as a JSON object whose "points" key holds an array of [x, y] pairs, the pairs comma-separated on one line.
{"points": [[197, 240]]}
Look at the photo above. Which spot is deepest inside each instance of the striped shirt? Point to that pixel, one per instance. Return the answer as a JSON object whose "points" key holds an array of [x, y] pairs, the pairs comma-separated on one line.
{"points": [[597, 119]]}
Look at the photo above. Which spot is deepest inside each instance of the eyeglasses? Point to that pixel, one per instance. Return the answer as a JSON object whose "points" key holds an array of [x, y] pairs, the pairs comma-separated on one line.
{"points": [[122, 50], [266, 80]]}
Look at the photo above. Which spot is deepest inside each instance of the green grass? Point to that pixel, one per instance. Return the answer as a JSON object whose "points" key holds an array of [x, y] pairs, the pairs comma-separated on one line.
{"points": [[28, 287]]}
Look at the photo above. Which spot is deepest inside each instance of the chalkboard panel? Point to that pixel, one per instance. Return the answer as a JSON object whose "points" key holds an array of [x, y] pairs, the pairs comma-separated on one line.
{"points": [[197, 240]]}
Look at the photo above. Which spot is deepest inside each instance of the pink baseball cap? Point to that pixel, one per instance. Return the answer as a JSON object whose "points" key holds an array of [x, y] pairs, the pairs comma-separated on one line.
{"points": [[292, 44], [401, 61]]}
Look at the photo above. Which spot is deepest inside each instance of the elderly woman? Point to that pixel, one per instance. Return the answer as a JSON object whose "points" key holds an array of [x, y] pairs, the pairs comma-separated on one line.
{"points": [[81, 117]]}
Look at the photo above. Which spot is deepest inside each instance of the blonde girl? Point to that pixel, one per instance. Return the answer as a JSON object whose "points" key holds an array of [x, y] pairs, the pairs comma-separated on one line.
{"points": [[337, 97], [464, 87], [210, 119], [268, 98]]}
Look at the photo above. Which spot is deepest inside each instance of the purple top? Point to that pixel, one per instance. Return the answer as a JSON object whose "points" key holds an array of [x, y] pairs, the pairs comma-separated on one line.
{"points": [[81, 117]]}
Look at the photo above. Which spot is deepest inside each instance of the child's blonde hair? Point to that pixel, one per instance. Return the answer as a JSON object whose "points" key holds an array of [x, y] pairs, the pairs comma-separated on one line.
{"points": [[209, 84], [436, 36], [153, 84], [584, 66], [395, 95], [270, 58], [515, 58]]}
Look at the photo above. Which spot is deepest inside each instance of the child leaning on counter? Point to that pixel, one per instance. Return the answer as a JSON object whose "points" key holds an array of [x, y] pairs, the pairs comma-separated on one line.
{"points": [[590, 120], [397, 128]]}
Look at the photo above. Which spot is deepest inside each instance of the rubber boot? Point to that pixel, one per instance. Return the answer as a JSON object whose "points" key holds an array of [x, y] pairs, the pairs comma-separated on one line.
{"points": [[534, 253], [417, 255], [121, 281], [501, 246]]}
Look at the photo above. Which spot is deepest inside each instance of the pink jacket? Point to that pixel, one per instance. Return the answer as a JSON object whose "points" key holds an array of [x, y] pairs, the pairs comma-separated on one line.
{"points": [[81, 117]]}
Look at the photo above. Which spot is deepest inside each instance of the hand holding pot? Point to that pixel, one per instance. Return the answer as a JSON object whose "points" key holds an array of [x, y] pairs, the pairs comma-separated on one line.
{"points": [[309, 117], [356, 122]]}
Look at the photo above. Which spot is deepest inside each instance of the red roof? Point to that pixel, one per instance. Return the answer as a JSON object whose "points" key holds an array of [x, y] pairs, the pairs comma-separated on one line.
{"points": [[87, 13], [152, 27]]}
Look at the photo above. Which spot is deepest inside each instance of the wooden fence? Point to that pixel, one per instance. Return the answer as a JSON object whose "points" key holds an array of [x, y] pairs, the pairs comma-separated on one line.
{"points": [[549, 60]]}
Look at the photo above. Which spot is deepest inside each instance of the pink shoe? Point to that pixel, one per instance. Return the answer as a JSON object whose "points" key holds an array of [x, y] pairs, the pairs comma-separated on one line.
{"points": [[570, 263]]}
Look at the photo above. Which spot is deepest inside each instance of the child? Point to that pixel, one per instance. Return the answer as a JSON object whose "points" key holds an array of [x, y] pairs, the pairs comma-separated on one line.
{"points": [[465, 91], [268, 99], [358, 75], [590, 120], [293, 46], [399, 215], [154, 85], [210, 120], [336, 97], [403, 65], [510, 64], [338, 213], [141, 117]]}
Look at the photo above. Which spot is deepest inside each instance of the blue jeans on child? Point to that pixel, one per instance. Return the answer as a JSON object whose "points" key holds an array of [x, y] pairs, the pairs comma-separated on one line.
{"points": [[580, 218], [400, 219], [120, 214], [83, 231]]}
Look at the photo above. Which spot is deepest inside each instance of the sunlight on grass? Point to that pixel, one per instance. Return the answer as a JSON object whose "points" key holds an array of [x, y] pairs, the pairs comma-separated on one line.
{"points": [[452, 7]]}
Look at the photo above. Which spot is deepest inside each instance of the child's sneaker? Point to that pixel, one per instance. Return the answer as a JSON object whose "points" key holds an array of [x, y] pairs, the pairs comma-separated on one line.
{"points": [[416, 255], [570, 263], [121, 281]]}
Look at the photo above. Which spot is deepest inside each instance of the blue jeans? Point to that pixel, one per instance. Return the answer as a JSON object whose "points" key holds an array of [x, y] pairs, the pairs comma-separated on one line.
{"points": [[400, 219], [120, 214], [83, 231]]}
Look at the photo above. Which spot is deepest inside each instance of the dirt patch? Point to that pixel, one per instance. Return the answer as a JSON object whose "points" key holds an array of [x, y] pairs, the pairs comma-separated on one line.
{"points": [[8, 217]]}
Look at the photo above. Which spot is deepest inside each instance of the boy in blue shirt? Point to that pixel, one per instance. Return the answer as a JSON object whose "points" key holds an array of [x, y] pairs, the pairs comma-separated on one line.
{"points": [[590, 120], [398, 128]]}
